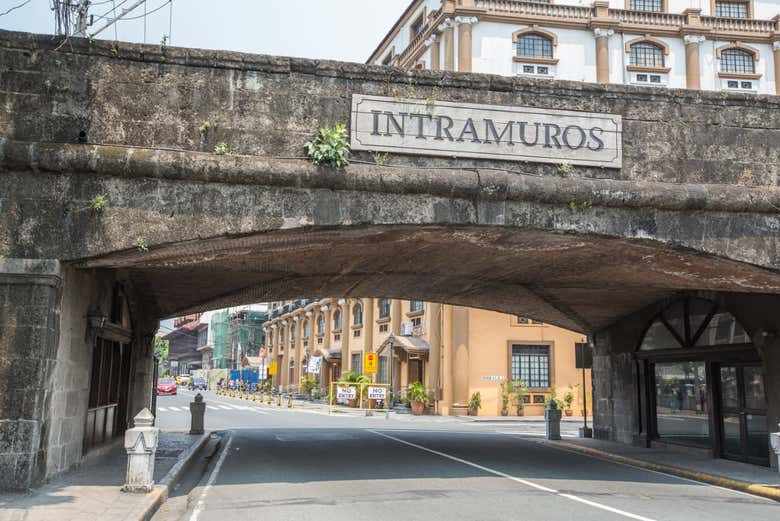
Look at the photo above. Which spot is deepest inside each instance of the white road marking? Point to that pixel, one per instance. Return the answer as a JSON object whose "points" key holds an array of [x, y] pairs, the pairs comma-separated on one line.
{"points": [[211, 407], [226, 407], [200, 505], [163, 409], [515, 479], [258, 411], [172, 408]]}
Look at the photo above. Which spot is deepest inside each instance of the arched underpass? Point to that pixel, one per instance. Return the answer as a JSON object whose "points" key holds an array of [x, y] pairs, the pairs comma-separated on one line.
{"points": [[596, 248]]}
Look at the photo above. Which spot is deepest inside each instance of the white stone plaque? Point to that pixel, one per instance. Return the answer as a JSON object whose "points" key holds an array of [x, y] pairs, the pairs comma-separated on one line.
{"points": [[443, 128]]}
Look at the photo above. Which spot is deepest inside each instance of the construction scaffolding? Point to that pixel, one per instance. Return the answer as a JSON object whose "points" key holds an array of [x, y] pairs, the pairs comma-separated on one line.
{"points": [[235, 335]]}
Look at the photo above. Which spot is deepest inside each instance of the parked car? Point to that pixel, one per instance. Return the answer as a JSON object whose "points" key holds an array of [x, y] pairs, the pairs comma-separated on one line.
{"points": [[197, 384], [183, 379], [166, 386]]}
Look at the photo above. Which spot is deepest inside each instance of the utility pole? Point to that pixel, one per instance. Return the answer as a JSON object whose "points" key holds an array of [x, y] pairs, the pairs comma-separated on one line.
{"points": [[83, 19]]}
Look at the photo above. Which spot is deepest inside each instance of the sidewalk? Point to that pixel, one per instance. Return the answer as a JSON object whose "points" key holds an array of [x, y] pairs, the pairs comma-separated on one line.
{"points": [[92, 491], [753, 479]]}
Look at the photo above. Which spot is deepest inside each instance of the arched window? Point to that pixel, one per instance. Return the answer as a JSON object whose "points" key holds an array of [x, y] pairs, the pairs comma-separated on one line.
{"points": [[292, 334], [337, 320], [320, 325], [534, 45], [357, 314], [306, 328], [281, 336], [384, 308], [646, 54], [271, 337], [693, 322], [737, 61]]}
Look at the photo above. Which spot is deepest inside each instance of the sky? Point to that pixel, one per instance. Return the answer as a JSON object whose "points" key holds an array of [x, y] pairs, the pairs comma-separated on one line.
{"points": [[346, 30]]}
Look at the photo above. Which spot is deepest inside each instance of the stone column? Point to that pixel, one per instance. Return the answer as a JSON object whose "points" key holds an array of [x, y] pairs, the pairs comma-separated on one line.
{"points": [[602, 54], [433, 374], [30, 293], [368, 325], [326, 311], [395, 317], [692, 67], [465, 42], [448, 31], [285, 359], [296, 355], [460, 355], [776, 55], [434, 45], [346, 331], [446, 359]]}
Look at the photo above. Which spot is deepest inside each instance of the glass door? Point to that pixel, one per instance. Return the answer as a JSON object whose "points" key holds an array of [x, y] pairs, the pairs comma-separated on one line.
{"points": [[744, 433]]}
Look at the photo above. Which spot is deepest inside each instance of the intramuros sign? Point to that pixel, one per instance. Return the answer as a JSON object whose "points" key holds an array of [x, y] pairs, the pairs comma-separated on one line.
{"points": [[442, 128]]}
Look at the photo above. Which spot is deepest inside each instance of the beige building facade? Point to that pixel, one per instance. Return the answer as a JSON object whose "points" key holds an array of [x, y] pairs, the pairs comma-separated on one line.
{"points": [[455, 351]]}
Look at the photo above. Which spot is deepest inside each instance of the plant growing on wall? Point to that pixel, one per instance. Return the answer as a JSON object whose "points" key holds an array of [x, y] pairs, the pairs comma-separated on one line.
{"points": [[330, 147], [98, 203]]}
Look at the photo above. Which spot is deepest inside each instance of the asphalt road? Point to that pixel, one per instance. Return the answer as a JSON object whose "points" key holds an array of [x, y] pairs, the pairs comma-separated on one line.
{"points": [[295, 465]]}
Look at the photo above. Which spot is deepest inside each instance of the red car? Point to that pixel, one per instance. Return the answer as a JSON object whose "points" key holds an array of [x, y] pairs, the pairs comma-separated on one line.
{"points": [[166, 386]]}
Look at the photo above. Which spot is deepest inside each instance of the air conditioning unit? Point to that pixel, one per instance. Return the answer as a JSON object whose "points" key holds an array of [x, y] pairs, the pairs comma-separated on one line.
{"points": [[407, 329]]}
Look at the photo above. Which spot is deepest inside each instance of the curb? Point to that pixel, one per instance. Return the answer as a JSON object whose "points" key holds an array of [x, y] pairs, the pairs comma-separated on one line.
{"points": [[159, 494], [711, 479]]}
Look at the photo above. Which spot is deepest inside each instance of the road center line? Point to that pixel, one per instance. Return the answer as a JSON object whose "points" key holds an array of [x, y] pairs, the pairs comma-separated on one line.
{"points": [[201, 504], [515, 479]]}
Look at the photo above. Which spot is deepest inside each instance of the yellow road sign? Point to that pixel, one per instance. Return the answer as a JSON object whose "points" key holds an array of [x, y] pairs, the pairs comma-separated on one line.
{"points": [[272, 368], [370, 365]]}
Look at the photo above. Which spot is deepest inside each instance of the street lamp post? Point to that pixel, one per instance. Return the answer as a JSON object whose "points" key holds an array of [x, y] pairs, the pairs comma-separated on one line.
{"points": [[390, 342]]}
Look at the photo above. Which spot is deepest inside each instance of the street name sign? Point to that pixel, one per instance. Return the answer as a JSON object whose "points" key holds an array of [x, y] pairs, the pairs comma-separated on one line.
{"points": [[443, 128]]}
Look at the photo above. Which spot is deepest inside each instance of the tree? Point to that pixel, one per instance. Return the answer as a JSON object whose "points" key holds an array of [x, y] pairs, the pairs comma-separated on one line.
{"points": [[161, 353]]}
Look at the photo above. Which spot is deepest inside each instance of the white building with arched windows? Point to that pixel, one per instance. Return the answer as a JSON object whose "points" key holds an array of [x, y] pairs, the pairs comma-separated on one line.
{"points": [[730, 45]]}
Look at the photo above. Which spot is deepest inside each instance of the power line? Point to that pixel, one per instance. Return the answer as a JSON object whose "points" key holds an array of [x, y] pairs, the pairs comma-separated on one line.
{"points": [[15, 7], [145, 13]]}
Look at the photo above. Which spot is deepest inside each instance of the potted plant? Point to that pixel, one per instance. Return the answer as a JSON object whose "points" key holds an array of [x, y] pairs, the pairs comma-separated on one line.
{"points": [[505, 390], [475, 403], [519, 393], [568, 398], [554, 398], [307, 384], [417, 394]]}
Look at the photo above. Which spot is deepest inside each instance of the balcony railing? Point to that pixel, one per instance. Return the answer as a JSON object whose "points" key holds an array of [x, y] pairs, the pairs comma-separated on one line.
{"points": [[647, 18], [738, 24], [535, 8], [419, 39]]}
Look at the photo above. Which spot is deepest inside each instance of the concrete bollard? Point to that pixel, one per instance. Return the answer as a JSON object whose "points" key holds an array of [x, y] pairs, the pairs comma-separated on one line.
{"points": [[279, 400], [552, 421], [197, 412], [289, 401], [141, 445], [774, 440]]}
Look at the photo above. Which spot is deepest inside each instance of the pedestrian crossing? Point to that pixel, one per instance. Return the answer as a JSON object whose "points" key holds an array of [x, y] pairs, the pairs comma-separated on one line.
{"points": [[215, 407]]}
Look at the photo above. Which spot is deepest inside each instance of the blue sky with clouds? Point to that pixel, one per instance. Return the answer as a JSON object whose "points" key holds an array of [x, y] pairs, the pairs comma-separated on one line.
{"points": [[347, 30]]}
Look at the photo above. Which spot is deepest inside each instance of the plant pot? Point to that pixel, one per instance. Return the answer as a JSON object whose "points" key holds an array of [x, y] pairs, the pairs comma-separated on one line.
{"points": [[473, 412], [353, 402], [520, 412], [568, 412], [418, 408], [504, 412], [372, 404]]}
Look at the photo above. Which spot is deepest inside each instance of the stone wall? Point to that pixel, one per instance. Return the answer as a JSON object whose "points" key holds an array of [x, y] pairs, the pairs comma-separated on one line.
{"points": [[29, 329]]}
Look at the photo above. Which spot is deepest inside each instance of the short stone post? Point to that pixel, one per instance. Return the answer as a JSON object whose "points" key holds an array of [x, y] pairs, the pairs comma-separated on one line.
{"points": [[774, 440], [552, 421], [197, 412], [141, 444]]}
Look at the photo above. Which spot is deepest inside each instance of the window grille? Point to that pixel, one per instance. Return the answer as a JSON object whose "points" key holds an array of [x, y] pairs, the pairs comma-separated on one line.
{"points": [[534, 46], [731, 9], [646, 5], [356, 363], [646, 55], [384, 308], [737, 60], [531, 364], [416, 305], [382, 374], [357, 314]]}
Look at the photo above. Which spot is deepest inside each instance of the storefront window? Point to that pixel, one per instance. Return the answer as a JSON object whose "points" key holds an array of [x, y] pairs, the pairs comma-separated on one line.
{"points": [[682, 412], [531, 364]]}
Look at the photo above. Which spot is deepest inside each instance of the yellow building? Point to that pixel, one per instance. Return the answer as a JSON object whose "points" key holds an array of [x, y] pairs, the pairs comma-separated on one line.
{"points": [[455, 351]]}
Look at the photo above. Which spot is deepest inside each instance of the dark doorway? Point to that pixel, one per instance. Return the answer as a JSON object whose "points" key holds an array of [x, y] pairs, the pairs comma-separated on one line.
{"points": [[743, 422], [108, 388]]}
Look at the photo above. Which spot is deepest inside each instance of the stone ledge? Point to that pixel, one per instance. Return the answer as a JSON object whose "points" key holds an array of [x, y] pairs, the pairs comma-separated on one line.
{"points": [[481, 184]]}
